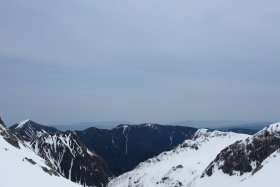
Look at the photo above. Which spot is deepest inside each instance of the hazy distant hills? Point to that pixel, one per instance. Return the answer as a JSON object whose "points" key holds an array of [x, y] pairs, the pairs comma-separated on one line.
{"points": [[85, 125], [219, 124], [235, 126]]}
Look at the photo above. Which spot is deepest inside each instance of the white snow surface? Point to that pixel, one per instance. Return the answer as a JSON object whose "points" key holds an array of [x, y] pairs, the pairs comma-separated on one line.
{"points": [[22, 123], [16, 170], [273, 128], [181, 165], [266, 176]]}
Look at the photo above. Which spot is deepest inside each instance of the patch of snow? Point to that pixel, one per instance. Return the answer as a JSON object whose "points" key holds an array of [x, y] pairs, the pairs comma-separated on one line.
{"points": [[267, 176], [273, 128], [181, 165], [126, 137], [16, 170], [22, 123], [171, 137]]}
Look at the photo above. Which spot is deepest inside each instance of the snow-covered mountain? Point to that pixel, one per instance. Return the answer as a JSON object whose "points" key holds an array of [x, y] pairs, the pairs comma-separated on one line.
{"points": [[268, 175], [212, 159], [125, 146], [20, 166], [246, 160], [69, 156], [181, 165], [247, 155], [29, 130], [209, 158]]}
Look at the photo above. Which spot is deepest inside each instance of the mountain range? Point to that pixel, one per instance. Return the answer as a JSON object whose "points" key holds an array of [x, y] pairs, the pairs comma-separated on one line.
{"points": [[138, 155], [20, 166]]}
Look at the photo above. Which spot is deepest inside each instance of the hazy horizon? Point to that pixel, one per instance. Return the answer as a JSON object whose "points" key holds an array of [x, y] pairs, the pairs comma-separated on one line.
{"points": [[141, 61], [191, 123]]}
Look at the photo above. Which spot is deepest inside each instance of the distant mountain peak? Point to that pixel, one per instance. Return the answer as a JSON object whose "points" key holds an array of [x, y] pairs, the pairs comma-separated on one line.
{"points": [[22, 123], [29, 129], [125, 126], [202, 134]]}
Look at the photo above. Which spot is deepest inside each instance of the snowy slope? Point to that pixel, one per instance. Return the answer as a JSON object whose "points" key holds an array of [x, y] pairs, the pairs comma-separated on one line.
{"points": [[245, 156], [19, 166], [72, 159], [181, 165], [68, 155], [250, 162], [268, 175]]}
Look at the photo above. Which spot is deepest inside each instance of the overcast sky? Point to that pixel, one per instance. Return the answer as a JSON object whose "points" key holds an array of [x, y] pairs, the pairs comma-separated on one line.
{"points": [[64, 61]]}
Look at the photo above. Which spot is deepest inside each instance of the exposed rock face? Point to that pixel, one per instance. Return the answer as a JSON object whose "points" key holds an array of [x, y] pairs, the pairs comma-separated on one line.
{"points": [[125, 146], [180, 166], [247, 155], [72, 159], [28, 130], [69, 156], [20, 166], [2, 122], [7, 135]]}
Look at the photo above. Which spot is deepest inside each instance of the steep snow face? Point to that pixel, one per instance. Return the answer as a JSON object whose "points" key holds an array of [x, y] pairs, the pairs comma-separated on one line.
{"points": [[69, 156], [246, 161], [22, 167], [266, 176], [72, 159], [246, 156], [182, 165], [272, 129]]}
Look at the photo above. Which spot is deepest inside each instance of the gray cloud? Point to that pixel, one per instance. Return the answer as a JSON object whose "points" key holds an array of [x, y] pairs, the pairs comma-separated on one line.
{"points": [[145, 60]]}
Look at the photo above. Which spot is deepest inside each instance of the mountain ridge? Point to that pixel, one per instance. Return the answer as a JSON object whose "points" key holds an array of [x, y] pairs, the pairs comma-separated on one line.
{"points": [[69, 156], [20, 166]]}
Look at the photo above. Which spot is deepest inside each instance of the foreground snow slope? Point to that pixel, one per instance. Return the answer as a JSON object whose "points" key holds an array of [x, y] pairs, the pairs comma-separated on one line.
{"points": [[68, 155], [254, 161], [267, 176], [19, 166], [181, 165]]}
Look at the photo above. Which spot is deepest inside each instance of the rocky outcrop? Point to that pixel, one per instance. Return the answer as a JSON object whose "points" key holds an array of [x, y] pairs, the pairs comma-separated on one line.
{"points": [[125, 146], [66, 153], [247, 155]]}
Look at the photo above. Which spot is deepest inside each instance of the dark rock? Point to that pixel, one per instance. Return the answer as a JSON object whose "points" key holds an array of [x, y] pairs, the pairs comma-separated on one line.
{"points": [[65, 153], [2, 122], [125, 146], [240, 156]]}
